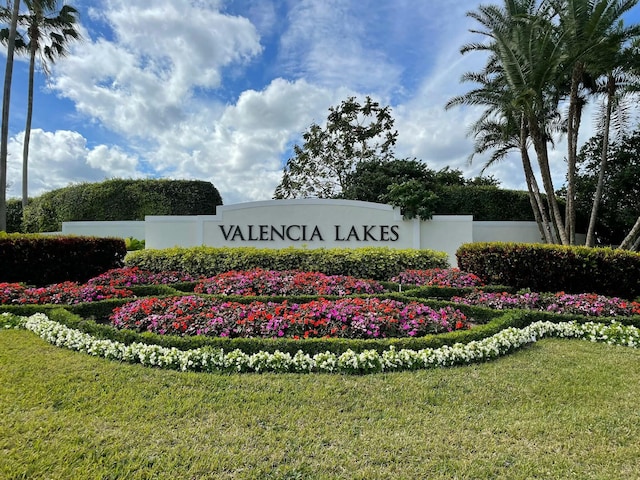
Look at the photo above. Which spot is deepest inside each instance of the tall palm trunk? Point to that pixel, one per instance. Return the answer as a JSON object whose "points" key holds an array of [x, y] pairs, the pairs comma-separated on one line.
{"points": [[573, 126], [27, 129], [540, 146], [611, 90], [6, 100], [537, 205]]}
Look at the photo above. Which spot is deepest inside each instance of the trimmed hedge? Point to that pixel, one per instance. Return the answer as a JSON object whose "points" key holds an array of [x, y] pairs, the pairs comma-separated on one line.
{"points": [[42, 260], [14, 215], [120, 199], [370, 262], [553, 268], [484, 203]]}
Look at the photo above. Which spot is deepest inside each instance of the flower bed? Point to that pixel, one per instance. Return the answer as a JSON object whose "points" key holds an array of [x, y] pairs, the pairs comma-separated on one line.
{"points": [[272, 282], [130, 276], [587, 304], [438, 277], [68, 293], [370, 361], [343, 318]]}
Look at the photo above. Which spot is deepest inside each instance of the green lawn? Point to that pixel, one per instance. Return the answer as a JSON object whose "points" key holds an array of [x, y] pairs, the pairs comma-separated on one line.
{"points": [[556, 409]]}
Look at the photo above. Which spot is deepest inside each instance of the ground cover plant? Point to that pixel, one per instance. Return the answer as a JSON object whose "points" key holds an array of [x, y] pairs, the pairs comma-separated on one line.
{"points": [[588, 304], [438, 277], [343, 318], [557, 409], [130, 276], [59, 293], [552, 408], [288, 282]]}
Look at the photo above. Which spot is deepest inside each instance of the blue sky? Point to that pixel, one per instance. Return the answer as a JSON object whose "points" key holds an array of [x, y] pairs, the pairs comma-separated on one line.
{"points": [[221, 90]]}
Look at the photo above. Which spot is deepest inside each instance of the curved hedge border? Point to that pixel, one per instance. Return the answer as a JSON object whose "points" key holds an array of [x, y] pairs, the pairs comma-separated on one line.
{"points": [[369, 361]]}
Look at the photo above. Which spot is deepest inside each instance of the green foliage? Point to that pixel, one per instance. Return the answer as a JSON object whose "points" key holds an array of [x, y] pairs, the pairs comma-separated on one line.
{"points": [[371, 179], [620, 204], [42, 260], [14, 216], [553, 268], [414, 198], [484, 202], [120, 199], [134, 244], [370, 262], [353, 133]]}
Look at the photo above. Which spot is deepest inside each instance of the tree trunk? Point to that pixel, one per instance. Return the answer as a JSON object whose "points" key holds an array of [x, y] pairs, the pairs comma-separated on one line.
{"points": [[629, 239], [611, 90], [540, 145], [27, 128], [6, 99], [573, 126], [537, 205]]}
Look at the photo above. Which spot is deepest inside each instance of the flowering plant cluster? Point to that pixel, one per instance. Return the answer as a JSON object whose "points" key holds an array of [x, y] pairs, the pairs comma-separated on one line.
{"points": [[10, 292], [438, 277], [587, 304], [128, 276], [59, 293], [368, 361], [344, 318], [288, 282]]}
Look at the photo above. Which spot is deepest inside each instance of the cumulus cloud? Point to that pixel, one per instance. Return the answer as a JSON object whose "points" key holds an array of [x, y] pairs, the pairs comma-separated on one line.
{"points": [[62, 157]]}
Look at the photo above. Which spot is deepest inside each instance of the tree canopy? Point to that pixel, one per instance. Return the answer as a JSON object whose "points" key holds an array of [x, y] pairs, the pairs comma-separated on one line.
{"points": [[354, 132]]}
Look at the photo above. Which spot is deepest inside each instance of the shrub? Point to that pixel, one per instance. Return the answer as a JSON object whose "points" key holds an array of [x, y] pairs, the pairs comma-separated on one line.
{"points": [[120, 199], [43, 260], [372, 263], [553, 268]]}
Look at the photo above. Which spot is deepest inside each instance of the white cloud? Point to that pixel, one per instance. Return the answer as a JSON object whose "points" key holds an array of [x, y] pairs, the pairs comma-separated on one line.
{"points": [[140, 84], [59, 158]]}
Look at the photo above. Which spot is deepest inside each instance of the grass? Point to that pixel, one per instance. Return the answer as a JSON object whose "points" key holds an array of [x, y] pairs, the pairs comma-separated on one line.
{"points": [[556, 409]]}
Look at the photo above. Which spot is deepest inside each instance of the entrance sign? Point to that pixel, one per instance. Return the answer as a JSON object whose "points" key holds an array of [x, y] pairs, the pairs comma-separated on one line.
{"points": [[310, 223]]}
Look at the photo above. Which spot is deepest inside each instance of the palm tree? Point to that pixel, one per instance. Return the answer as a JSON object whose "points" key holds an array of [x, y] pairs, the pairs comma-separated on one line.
{"points": [[501, 129], [49, 32], [6, 98], [523, 43], [591, 34]]}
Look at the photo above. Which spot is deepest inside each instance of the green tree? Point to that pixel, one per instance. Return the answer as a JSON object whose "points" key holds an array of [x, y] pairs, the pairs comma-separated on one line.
{"points": [[620, 200], [540, 54], [354, 132], [592, 36], [371, 179], [518, 84], [619, 87], [6, 100], [48, 31]]}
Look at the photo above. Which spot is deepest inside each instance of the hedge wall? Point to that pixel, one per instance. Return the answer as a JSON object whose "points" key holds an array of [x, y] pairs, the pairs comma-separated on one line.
{"points": [[119, 199], [370, 262], [42, 260], [553, 268]]}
